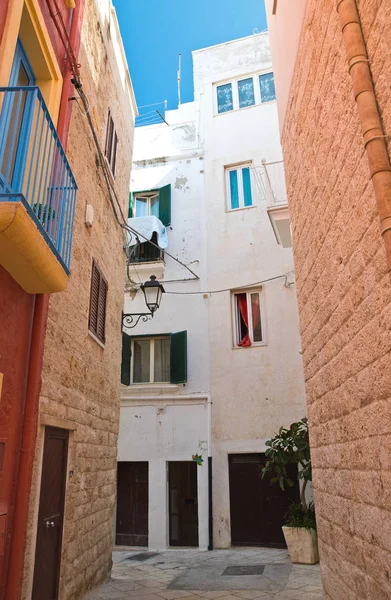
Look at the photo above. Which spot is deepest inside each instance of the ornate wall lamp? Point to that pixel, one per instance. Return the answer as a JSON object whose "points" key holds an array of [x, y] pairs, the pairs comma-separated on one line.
{"points": [[153, 291]]}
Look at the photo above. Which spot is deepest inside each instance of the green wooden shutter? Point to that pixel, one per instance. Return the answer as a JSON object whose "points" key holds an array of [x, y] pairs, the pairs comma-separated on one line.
{"points": [[126, 353], [131, 200], [165, 205], [178, 357]]}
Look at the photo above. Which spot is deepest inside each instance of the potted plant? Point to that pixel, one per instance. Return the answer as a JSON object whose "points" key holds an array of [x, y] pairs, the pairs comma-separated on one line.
{"points": [[291, 446]]}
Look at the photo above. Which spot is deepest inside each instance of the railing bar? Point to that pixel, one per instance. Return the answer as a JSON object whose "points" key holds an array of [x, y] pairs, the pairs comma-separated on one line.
{"points": [[43, 160], [63, 214], [52, 191], [34, 147], [56, 186], [4, 122], [60, 208], [72, 218], [48, 196], [66, 218], [71, 224], [53, 178], [37, 166], [13, 139]]}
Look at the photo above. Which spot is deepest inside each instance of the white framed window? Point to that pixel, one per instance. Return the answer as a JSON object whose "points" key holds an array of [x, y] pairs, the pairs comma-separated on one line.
{"points": [[238, 186], [146, 205], [248, 318], [150, 360], [243, 92]]}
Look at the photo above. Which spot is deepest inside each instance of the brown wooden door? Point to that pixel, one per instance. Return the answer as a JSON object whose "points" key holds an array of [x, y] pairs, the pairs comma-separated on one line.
{"points": [[258, 507], [51, 515], [132, 504], [183, 503]]}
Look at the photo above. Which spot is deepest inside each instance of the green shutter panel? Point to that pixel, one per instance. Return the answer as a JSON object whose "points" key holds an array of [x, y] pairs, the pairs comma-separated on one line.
{"points": [[130, 211], [178, 357], [165, 205], [126, 353]]}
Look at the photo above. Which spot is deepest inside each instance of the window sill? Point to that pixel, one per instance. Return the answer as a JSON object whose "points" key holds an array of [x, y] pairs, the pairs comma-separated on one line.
{"points": [[254, 345], [235, 110], [148, 389], [232, 210], [97, 340]]}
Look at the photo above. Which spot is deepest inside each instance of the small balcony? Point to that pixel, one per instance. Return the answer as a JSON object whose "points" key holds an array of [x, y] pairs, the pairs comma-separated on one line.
{"points": [[277, 202], [37, 194]]}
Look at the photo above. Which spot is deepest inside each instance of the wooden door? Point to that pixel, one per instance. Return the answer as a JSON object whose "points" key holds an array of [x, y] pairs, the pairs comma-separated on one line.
{"points": [[183, 503], [132, 504], [51, 515], [258, 507]]}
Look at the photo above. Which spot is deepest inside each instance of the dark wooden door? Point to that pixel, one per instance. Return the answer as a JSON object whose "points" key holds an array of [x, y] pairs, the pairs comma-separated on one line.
{"points": [[258, 507], [132, 504], [183, 503], [51, 515]]}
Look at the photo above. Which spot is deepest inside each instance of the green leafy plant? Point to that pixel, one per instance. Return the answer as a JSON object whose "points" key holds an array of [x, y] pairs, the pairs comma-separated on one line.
{"points": [[287, 447], [297, 517], [45, 211]]}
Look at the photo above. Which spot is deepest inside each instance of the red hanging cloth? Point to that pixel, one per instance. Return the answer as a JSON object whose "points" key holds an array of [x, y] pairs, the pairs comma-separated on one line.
{"points": [[242, 303]]}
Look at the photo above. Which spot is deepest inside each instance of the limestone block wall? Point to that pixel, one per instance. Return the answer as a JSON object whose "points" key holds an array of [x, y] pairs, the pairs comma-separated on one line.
{"points": [[344, 297], [80, 382]]}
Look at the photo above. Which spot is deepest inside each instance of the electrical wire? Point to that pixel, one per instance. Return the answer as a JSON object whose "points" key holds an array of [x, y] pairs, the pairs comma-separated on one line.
{"points": [[76, 81], [230, 289], [112, 192]]}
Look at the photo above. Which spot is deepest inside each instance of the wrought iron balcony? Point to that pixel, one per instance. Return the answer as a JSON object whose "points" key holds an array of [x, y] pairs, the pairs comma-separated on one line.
{"points": [[36, 179]]}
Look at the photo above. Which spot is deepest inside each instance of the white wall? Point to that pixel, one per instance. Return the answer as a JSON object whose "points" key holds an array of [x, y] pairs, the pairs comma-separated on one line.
{"points": [[254, 390], [159, 432]]}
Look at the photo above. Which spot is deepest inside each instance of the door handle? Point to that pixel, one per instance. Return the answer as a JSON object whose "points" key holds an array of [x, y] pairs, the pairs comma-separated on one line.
{"points": [[50, 524]]}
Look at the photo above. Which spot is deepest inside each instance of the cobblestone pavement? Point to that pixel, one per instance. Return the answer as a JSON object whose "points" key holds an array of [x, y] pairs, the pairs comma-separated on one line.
{"points": [[261, 573]]}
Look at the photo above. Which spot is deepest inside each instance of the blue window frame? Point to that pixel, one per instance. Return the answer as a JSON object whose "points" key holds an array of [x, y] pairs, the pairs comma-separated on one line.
{"points": [[243, 92], [224, 98], [14, 131], [246, 92], [239, 186], [268, 91]]}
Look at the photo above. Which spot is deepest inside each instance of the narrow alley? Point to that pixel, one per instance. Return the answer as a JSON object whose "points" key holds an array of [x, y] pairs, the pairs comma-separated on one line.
{"points": [[243, 573]]}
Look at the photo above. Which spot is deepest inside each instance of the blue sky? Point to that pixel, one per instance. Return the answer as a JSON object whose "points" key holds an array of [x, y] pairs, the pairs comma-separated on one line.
{"points": [[155, 32]]}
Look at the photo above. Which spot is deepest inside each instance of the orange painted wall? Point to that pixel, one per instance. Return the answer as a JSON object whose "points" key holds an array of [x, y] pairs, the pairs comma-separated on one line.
{"points": [[16, 310]]}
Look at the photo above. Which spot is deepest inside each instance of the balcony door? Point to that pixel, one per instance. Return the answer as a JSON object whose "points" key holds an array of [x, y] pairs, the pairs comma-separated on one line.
{"points": [[14, 121]]}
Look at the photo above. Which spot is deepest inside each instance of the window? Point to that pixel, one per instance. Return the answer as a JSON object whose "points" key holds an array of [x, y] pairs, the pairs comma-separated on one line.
{"points": [[238, 182], [111, 143], [244, 92], [152, 202], [224, 98], [248, 318], [266, 84], [98, 302], [158, 359], [146, 205]]}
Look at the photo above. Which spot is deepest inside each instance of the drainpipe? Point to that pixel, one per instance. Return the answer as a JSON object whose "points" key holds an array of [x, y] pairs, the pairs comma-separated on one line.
{"points": [[371, 124], [74, 42], [27, 450], [210, 477]]}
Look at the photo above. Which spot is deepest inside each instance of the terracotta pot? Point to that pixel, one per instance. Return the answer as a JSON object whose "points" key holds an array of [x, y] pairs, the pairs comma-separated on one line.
{"points": [[302, 545]]}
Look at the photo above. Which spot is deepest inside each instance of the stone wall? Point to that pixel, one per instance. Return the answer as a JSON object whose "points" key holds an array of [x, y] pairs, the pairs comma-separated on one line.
{"points": [[81, 377], [344, 300]]}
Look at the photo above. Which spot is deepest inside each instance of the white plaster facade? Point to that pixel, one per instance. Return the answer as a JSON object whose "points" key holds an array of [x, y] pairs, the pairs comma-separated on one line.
{"points": [[250, 392]]}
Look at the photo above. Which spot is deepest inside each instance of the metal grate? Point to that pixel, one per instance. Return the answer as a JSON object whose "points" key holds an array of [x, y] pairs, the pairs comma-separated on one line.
{"points": [[142, 556], [244, 570]]}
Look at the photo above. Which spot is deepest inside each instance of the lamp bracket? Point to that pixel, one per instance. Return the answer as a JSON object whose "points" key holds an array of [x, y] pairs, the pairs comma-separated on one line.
{"points": [[130, 320]]}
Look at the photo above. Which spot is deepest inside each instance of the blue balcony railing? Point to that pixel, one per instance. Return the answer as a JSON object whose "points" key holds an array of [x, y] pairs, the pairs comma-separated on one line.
{"points": [[34, 168]]}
